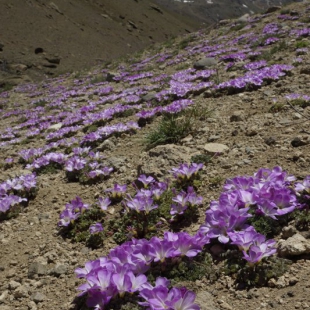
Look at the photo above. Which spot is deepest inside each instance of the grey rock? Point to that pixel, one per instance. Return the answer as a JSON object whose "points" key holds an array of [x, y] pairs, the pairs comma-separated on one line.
{"points": [[55, 127], [149, 96], [36, 268], [5, 307], [215, 148], [37, 297], [206, 62], [295, 245], [59, 269]]}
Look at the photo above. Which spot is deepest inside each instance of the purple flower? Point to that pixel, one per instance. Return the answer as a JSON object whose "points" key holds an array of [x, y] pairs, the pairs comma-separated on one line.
{"points": [[104, 203], [117, 191], [67, 216], [146, 180], [95, 228]]}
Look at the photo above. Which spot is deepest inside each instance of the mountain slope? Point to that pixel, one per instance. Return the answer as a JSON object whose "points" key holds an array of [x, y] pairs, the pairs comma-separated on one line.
{"points": [[45, 37]]}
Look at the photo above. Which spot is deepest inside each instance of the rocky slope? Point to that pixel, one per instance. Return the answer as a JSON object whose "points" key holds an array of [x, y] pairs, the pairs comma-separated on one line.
{"points": [[40, 38], [214, 10], [245, 106]]}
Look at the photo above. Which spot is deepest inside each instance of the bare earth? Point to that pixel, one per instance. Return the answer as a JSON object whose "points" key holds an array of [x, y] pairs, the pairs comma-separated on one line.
{"points": [[256, 136]]}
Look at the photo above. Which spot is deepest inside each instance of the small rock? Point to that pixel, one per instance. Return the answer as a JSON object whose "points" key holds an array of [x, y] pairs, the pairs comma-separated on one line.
{"points": [[251, 132], [206, 62], [20, 292], [205, 300], [296, 142], [213, 138], [36, 268], [270, 141], [295, 245], [293, 280], [3, 296], [106, 145], [237, 116], [59, 269], [288, 232], [13, 285], [37, 297], [215, 148]]}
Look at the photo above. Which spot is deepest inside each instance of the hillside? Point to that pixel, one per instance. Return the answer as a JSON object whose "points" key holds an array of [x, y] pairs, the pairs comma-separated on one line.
{"points": [[40, 38], [186, 163], [212, 11]]}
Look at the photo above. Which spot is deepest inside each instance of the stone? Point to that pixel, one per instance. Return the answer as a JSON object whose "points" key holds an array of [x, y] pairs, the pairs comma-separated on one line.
{"points": [[5, 307], [106, 145], [206, 62], [270, 141], [59, 269], [288, 231], [215, 148], [213, 138], [36, 268], [3, 296], [296, 142], [116, 162], [237, 116], [205, 300], [149, 97], [55, 126], [251, 132], [37, 297], [13, 285], [20, 292], [244, 18], [293, 246]]}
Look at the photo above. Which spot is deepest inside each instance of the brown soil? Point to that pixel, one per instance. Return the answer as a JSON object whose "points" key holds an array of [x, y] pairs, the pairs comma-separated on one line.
{"points": [[33, 236]]}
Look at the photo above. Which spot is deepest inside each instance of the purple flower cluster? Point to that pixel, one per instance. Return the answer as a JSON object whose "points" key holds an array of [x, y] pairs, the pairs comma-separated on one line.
{"points": [[72, 211], [185, 171], [12, 189], [123, 271], [256, 77], [268, 192]]}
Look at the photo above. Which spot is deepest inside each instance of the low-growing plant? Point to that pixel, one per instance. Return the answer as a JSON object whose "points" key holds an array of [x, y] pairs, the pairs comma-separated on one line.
{"points": [[301, 44], [246, 275], [277, 107], [183, 268], [41, 103], [201, 158], [300, 102], [215, 181], [51, 168], [171, 129], [78, 231]]}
